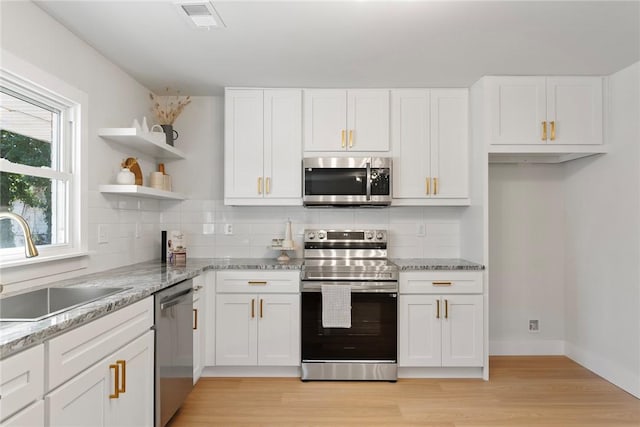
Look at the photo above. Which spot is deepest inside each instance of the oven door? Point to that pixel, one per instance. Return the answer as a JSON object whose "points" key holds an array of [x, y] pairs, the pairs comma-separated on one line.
{"points": [[373, 333]]}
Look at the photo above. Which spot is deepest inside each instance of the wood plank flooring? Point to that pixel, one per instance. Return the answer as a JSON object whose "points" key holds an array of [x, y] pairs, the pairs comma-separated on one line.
{"points": [[545, 391]]}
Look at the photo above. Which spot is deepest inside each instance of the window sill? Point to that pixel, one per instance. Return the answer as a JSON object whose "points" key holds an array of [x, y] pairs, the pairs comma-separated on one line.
{"points": [[40, 259]]}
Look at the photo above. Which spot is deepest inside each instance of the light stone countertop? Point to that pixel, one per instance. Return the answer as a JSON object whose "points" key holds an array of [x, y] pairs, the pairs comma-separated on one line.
{"points": [[144, 279]]}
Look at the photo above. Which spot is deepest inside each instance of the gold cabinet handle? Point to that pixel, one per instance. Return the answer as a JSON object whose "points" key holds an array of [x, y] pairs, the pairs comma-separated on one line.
{"points": [[253, 308], [435, 186], [261, 301], [260, 185], [437, 309], [441, 283], [195, 319], [446, 309], [544, 131], [343, 144], [428, 184], [553, 130], [351, 138], [268, 185], [123, 371], [257, 282], [116, 385]]}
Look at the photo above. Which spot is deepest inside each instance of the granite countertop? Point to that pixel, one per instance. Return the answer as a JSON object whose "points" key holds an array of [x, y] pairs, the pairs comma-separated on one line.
{"points": [[144, 279], [451, 264]]}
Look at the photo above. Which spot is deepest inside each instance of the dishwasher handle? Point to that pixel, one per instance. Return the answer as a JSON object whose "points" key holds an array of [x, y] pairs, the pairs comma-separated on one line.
{"points": [[175, 299]]}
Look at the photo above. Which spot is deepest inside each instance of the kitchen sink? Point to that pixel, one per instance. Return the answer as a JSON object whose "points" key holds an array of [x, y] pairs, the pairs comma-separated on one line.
{"points": [[42, 303]]}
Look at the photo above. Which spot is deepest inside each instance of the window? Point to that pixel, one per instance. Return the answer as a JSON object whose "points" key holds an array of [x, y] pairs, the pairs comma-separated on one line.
{"points": [[40, 179]]}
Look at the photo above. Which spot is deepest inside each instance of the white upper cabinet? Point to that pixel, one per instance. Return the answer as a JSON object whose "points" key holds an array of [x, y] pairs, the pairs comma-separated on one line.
{"points": [[545, 110], [429, 132], [263, 147], [341, 120]]}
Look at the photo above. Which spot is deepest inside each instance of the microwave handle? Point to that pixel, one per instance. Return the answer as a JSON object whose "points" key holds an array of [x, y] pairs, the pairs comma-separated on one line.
{"points": [[368, 181]]}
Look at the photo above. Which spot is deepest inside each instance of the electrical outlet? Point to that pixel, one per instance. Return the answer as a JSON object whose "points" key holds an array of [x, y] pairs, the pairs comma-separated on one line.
{"points": [[534, 325], [103, 233], [228, 229], [420, 230]]}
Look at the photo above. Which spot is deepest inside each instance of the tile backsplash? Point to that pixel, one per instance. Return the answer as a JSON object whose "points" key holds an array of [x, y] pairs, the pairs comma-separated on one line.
{"points": [[413, 231]]}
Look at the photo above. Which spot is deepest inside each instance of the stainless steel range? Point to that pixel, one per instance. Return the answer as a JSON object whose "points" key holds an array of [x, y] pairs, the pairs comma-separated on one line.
{"points": [[351, 265]]}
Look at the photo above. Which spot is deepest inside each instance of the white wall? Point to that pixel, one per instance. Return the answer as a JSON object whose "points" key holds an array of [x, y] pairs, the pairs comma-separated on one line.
{"points": [[603, 245], [526, 246], [115, 99]]}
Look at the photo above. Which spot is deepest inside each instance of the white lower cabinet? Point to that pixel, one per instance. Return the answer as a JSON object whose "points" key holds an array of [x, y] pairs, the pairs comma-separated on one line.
{"points": [[440, 330], [257, 330], [199, 326], [257, 318], [116, 391], [31, 416], [21, 384]]}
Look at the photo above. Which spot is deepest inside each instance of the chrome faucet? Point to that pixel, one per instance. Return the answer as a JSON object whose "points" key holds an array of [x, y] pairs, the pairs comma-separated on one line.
{"points": [[29, 247]]}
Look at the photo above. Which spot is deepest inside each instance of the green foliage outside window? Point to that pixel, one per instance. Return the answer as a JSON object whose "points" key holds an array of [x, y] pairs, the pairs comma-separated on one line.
{"points": [[32, 191]]}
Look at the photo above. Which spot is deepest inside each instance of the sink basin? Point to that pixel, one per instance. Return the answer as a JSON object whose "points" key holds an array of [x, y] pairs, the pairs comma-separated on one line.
{"points": [[39, 304]]}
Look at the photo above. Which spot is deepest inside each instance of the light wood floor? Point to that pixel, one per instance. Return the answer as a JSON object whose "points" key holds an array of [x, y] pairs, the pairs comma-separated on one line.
{"points": [[523, 391]]}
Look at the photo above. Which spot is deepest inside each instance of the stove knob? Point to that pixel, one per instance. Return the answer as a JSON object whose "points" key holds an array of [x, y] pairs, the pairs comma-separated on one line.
{"points": [[321, 235], [368, 235], [311, 235], [379, 235]]}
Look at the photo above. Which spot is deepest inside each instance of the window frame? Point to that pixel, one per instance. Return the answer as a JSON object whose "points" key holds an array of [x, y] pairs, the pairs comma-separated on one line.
{"points": [[34, 83]]}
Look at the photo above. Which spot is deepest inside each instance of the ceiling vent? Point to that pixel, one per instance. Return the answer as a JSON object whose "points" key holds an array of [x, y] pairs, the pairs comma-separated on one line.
{"points": [[200, 13]]}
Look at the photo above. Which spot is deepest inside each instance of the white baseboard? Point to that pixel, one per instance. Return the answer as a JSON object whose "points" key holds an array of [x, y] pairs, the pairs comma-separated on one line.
{"points": [[625, 379], [527, 348]]}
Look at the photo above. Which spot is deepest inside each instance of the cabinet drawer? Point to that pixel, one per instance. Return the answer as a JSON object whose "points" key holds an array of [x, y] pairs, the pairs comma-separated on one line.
{"points": [[21, 380], [445, 282], [258, 281], [80, 348], [32, 416]]}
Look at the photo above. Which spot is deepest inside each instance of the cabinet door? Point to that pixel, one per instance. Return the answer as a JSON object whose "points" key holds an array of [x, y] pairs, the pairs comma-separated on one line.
{"points": [[31, 416], [462, 327], [449, 143], [134, 407], [410, 136], [283, 143], [517, 107], [236, 329], [243, 144], [368, 120], [279, 330], [574, 104], [198, 323], [85, 399], [420, 333], [325, 118]]}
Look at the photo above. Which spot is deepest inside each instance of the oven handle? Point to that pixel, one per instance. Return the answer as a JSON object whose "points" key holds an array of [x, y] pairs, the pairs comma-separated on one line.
{"points": [[368, 287]]}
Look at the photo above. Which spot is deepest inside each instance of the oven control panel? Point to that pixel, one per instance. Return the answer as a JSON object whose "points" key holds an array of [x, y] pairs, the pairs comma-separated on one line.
{"points": [[353, 236]]}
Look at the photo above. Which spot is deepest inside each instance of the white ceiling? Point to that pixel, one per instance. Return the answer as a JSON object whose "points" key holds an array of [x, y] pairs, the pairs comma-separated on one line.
{"points": [[355, 43]]}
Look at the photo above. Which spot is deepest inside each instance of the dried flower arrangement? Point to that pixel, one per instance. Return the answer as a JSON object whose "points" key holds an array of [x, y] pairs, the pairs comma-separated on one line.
{"points": [[168, 108]]}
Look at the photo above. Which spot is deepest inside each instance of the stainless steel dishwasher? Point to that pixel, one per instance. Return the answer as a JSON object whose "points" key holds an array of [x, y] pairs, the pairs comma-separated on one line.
{"points": [[173, 349]]}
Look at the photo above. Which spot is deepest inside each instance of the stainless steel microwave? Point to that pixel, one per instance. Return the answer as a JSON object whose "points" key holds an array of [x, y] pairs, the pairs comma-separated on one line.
{"points": [[346, 181]]}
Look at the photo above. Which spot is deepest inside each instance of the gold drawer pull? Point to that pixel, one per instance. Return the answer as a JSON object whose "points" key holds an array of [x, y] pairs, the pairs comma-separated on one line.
{"points": [[257, 282], [343, 133], [260, 185], [441, 283], [446, 309], [261, 301], [428, 182], [268, 185], [253, 308], [116, 386], [437, 309], [544, 131], [435, 186], [195, 318], [350, 138], [553, 131], [123, 382]]}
